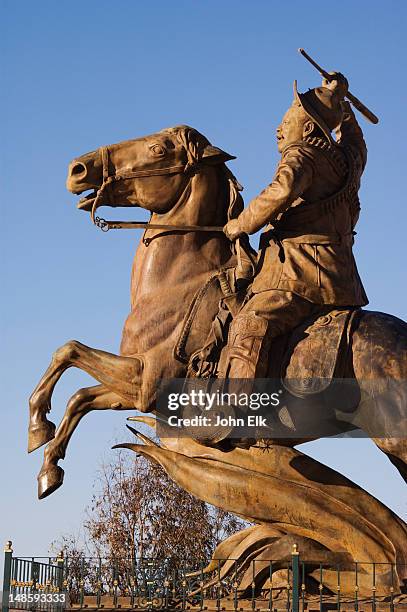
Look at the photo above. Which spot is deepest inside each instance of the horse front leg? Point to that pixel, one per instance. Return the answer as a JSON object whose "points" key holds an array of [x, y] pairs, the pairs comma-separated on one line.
{"points": [[121, 375], [83, 401]]}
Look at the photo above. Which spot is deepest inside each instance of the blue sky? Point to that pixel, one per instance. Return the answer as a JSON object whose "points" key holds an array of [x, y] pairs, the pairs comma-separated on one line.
{"points": [[80, 74]]}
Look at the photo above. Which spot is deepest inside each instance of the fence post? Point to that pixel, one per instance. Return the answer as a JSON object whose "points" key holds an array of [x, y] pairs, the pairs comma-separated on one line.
{"points": [[60, 581], [295, 566], [60, 576], [8, 557]]}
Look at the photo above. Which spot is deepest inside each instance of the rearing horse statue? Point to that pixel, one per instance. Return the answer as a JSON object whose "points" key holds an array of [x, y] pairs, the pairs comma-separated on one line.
{"points": [[182, 180]]}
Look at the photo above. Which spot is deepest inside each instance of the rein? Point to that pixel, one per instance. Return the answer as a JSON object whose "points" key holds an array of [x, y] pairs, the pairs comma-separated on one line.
{"points": [[105, 226]]}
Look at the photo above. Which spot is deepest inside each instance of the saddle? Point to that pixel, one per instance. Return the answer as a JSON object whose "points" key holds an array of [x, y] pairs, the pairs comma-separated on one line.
{"points": [[316, 352], [306, 360]]}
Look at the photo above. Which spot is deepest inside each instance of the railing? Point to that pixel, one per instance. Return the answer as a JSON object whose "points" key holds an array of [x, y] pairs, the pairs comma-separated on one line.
{"points": [[32, 583], [292, 585]]}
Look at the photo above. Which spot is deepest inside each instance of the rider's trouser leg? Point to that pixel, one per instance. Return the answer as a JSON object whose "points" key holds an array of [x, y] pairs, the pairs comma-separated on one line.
{"points": [[263, 317]]}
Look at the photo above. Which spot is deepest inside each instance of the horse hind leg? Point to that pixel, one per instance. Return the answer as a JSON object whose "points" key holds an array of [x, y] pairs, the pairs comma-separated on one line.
{"points": [[379, 349], [396, 451], [386, 420], [83, 401], [382, 418], [119, 374]]}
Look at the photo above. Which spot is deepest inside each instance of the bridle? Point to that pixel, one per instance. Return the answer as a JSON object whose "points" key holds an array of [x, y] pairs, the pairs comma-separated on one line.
{"points": [[189, 168], [108, 179]]}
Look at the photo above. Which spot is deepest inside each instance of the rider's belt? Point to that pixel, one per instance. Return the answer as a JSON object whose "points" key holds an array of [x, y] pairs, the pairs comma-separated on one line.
{"points": [[279, 237]]}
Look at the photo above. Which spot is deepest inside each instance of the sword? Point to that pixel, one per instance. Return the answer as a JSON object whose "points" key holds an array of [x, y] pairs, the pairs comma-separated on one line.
{"points": [[353, 99]]}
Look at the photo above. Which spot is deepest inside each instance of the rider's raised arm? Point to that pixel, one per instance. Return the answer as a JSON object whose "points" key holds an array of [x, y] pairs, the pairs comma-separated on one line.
{"points": [[349, 134], [293, 176]]}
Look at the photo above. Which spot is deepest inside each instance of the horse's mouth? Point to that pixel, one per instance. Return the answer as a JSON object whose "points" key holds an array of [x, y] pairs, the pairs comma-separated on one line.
{"points": [[86, 202]]}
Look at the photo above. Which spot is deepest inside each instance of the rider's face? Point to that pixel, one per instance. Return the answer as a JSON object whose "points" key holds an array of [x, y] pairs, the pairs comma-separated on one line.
{"points": [[291, 127]]}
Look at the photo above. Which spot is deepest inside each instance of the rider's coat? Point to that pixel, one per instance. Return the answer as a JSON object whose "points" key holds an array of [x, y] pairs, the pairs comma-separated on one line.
{"points": [[312, 208]]}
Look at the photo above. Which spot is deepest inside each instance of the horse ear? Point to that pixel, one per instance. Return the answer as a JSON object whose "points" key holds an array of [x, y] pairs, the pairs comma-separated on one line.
{"points": [[216, 156], [198, 148]]}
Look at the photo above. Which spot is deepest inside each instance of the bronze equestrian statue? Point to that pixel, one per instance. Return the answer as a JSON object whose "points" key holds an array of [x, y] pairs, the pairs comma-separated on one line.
{"points": [[306, 274]]}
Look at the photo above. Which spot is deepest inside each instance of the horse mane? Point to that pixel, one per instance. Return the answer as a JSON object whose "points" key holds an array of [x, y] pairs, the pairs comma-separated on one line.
{"points": [[195, 145], [236, 204]]}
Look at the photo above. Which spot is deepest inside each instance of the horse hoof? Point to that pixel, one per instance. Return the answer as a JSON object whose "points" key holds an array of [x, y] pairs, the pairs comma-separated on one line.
{"points": [[39, 435], [49, 480]]}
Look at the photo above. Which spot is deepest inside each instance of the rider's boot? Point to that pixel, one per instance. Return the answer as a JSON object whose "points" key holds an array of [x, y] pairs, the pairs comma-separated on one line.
{"points": [[245, 357], [246, 353]]}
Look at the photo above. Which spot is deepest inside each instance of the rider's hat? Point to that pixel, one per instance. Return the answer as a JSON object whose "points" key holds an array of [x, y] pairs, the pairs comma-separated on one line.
{"points": [[323, 106]]}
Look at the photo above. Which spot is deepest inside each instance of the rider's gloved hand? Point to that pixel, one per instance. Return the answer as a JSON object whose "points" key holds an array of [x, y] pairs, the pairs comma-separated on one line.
{"points": [[339, 84], [232, 229]]}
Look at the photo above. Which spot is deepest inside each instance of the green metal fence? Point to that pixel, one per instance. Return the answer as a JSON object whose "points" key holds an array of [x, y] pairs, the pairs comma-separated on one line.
{"points": [[33, 583], [291, 585]]}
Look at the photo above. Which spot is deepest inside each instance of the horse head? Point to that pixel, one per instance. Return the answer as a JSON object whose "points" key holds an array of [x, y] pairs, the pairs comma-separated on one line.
{"points": [[151, 172]]}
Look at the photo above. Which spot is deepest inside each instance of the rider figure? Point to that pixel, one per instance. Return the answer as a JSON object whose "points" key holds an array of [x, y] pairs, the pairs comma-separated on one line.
{"points": [[310, 211]]}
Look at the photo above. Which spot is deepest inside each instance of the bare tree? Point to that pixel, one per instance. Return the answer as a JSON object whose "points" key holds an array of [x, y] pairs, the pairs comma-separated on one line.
{"points": [[137, 511]]}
